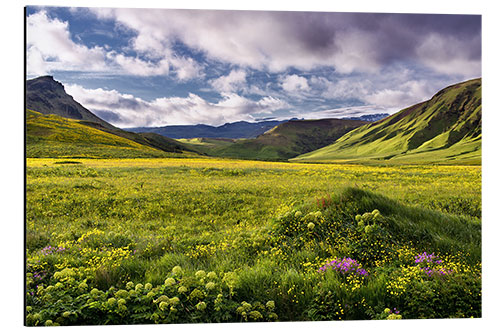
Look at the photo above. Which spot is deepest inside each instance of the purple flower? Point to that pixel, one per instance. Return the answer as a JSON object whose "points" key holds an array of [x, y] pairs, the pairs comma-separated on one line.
{"points": [[427, 258], [427, 261], [50, 250], [345, 266]]}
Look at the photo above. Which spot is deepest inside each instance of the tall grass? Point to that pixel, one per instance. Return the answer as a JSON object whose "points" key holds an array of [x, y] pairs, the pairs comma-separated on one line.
{"points": [[266, 228]]}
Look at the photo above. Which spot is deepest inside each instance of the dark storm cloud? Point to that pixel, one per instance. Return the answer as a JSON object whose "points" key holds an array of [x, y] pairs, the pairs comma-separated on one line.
{"points": [[277, 41], [314, 31], [401, 35], [391, 37]]}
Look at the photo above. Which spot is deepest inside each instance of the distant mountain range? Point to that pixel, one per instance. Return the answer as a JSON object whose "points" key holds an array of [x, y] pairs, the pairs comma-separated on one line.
{"points": [[236, 130], [369, 117], [444, 129]]}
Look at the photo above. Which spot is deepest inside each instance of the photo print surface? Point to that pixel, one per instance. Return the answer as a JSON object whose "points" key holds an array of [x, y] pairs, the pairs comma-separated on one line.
{"points": [[213, 166]]}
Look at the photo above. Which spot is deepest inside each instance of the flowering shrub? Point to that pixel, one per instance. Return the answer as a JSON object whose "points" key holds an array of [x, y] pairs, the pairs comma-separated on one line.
{"points": [[368, 220], [178, 300], [389, 314], [344, 266]]}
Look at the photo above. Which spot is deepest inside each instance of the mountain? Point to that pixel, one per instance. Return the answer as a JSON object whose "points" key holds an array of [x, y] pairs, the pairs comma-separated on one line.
{"points": [[48, 97], [236, 130], [369, 117], [54, 136], [444, 129], [286, 140]]}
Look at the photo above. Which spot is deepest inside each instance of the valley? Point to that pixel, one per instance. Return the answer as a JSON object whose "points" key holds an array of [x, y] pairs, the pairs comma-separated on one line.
{"points": [[329, 219]]}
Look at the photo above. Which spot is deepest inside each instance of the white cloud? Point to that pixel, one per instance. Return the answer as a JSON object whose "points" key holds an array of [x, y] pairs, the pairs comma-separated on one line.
{"points": [[275, 41], [186, 68], [446, 54], [136, 66], [295, 83], [342, 89], [269, 104], [271, 41], [49, 47], [130, 111], [234, 81], [396, 89], [406, 94], [351, 111]]}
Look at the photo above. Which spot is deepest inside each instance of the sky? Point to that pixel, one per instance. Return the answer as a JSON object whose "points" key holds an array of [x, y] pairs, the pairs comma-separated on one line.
{"points": [[157, 67]]}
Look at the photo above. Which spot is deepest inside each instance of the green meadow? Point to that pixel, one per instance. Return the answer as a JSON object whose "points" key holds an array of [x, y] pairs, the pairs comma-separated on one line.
{"points": [[177, 240]]}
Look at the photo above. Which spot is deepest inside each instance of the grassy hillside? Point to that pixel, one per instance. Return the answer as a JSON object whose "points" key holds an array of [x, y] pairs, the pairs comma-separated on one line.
{"points": [[445, 129], [55, 136], [148, 139], [206, 145], [47, 96], [287, 140]]}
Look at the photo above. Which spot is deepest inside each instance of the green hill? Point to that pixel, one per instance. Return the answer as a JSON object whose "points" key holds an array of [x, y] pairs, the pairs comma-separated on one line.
{"points": [[149, 139], [286, 140], [55, 136], [445, 129], [206, 145], [48, 97]]}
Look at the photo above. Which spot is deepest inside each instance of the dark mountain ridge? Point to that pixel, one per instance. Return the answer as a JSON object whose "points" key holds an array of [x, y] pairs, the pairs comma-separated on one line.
{"points": [[236, 130], [288, 139], [48, 97]]}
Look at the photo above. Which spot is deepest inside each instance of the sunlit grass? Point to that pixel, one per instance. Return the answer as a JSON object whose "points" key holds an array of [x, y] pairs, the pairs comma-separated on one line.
{"points": [[121, 220]]}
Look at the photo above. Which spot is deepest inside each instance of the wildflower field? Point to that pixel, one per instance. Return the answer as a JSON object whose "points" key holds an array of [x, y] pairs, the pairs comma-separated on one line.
{"points": [[186, 240]]}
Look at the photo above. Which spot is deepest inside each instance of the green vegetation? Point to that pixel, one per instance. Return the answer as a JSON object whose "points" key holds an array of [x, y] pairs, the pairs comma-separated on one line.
{"points": [[208, 240], [446, 130], [284, 141], [206, 145], [47, 96], [54, 136], [129, 228]]}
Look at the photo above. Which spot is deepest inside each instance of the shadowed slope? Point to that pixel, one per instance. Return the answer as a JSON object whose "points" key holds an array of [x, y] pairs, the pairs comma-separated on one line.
{"points": [[48, 97], [55, 136], [444, 129], [288, 139]]}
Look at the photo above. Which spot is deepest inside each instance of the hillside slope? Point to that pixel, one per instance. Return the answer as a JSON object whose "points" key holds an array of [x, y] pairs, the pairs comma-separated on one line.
{"points": [[445, 129], [288, 139], [55, 136], [47, 96]]}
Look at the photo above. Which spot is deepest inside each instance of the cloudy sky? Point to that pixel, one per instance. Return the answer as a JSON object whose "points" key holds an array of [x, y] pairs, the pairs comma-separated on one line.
{"points": [[155, 67]]}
